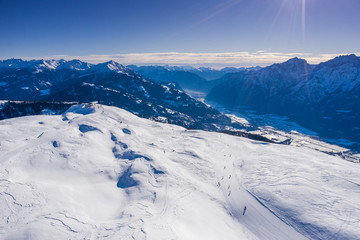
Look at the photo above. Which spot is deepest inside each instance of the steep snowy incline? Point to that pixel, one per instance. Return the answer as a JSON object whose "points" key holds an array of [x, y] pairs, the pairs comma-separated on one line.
{"points": [[100, 172]]}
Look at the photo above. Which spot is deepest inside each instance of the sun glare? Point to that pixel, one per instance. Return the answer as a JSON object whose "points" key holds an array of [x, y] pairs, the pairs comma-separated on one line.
{"points": [[303, 18], [297, 11]]}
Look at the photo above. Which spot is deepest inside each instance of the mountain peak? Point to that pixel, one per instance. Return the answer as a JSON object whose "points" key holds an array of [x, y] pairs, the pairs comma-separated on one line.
{"points": [[347, 58], [341, 60], [112, 62], [114, 66], [293, 65], [296, 61], [11, 63], [74, 64], [110, 66], [32, 64]]}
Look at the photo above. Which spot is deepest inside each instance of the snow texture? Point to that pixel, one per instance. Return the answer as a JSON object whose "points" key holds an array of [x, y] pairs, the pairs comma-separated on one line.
{"points": [[57, 182]]}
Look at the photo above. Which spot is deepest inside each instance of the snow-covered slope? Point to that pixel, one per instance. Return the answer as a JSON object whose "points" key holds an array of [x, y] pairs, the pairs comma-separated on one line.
{"points": [[99, 172], [111, 66]]}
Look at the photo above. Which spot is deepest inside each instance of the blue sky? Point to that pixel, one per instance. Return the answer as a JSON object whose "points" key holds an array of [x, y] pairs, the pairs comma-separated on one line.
{"points": [[157, 31]]}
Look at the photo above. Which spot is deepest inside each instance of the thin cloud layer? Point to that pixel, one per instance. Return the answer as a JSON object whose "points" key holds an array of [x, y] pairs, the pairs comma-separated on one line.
{"points": [[231, 59]]}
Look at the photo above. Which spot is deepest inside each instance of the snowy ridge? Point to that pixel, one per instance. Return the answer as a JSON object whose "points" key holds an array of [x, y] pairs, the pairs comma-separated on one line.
{"points": [[38, 65], [302, 81], [98, 172], [110, 66], [336, 76], [75, 64]]}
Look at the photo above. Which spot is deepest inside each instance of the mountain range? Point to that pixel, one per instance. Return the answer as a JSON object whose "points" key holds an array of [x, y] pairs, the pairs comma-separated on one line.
{"points": [[108, 83], [89, 167], [323, 98], [196, 79]]}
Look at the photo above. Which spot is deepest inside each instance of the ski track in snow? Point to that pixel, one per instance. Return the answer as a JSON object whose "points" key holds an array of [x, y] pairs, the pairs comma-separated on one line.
{"points": [[59, 181]]}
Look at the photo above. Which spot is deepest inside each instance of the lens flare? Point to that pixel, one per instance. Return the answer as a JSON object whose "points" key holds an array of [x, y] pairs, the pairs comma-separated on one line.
{"points": [[303, 18]]}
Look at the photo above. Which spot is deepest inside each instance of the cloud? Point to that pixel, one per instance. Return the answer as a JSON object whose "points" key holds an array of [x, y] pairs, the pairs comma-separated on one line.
{"points": [[235, 59]]}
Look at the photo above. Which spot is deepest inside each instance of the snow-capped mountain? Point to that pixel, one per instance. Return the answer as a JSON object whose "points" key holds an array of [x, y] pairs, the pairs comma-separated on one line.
{"points": [[207, 73], [211, 74], [108, 83], [130, 91], [33, 64], [28, 80], [303, 82], [99, 172], [334, 77], [196, 79], [111, 66], [185, 79], [323, 97], [40, 65], [74, 64]]}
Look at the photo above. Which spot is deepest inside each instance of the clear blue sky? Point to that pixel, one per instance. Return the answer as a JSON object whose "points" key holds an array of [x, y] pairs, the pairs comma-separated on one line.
{"points": [[35, 28]]}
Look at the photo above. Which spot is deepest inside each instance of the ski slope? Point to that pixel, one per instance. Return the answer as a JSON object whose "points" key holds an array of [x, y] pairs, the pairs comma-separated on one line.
{"points": [[99, 172]]}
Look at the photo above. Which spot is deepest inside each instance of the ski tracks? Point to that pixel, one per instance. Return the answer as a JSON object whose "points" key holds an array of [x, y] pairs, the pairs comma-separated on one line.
{"points": [[248, 209]]}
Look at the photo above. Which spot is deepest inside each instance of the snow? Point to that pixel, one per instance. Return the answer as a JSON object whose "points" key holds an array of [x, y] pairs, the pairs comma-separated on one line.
{"points": [[280, 129], [45, 92], [146, 94], [123, 177], [112, 67], [339, 75], [167, 89], [343, 111], [83, 109]]}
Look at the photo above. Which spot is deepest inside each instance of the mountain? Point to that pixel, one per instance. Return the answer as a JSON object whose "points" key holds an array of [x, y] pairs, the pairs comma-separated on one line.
{"points": [[126, 89], [255, 88], [31, 80], [111, 66], [40, 65], [74, 64], [33, 64], [338, 76], [323, 97], [190, 78], [99, 172], [185, 79], [210, 73], [108, 83]]}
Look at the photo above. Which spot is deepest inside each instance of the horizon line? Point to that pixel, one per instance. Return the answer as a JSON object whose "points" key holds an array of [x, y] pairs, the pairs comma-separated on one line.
{"points": [[214, 60]]}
